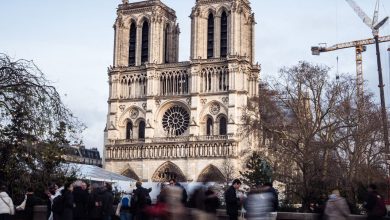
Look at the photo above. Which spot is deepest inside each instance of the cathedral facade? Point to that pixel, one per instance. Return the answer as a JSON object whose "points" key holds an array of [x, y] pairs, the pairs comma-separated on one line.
{"points": [[170, 119]]}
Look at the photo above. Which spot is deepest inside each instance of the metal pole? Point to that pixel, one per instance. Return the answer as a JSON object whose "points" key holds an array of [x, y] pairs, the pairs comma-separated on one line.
{"points": [[387, 159], [382, 94]]}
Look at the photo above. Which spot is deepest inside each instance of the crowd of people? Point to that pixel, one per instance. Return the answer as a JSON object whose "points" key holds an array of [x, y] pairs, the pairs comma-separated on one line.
{"points": [[80, 201]]}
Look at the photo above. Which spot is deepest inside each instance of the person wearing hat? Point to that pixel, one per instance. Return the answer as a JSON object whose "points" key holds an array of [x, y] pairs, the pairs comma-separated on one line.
{"points": [[336, 207]]}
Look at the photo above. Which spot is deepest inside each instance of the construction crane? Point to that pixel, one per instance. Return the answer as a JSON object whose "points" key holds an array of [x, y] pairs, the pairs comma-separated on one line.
{"points": [[374, 25], [360, 47]]}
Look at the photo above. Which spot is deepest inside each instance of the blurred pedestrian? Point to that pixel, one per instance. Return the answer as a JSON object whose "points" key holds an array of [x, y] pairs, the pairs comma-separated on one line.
{"points": [[374, 204], [260, 203], [68, 202], [184, 196], [6, 205], [108, 202], [336, 207], [269, 188], [233, 203], [211, 203], [95, 202]]}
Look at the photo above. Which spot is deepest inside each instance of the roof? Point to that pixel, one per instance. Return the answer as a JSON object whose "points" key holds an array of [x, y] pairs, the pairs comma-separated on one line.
{"points": [[95, 173]]}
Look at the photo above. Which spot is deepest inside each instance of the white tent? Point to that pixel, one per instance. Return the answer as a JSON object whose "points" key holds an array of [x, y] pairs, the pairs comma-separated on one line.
{"points": [[94, 173]]}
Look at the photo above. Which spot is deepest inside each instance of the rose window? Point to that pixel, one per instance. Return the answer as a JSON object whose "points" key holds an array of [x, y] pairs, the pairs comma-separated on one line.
{"points": [[175, 121]]}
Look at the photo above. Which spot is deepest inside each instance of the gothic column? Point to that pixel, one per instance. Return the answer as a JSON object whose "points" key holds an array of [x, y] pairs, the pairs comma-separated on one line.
{"points": [[217, 36], [138, 46]]}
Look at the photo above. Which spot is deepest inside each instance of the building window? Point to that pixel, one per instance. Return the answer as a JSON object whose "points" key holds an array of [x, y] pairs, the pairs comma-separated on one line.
{"points": [[166, 51], [129, 130], [210, 36], [222, 126], [175, 121], [132, 44], [145, 42], [141, 130], [224, 34], [209, 127]]}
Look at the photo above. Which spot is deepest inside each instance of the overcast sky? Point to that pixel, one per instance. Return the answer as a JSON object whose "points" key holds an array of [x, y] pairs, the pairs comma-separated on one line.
{"points": [[72, 43]]}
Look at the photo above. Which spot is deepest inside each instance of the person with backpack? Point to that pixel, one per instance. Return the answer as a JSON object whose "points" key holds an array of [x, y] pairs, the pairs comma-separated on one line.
{"points": [[374, 204], [124, 209]]}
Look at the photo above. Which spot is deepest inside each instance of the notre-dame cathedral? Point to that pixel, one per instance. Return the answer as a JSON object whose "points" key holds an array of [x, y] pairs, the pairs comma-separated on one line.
{"points": [[170, 119]]}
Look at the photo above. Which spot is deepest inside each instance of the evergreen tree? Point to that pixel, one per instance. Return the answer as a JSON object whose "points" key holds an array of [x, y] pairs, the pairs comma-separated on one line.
{"points": [[258, 170]]}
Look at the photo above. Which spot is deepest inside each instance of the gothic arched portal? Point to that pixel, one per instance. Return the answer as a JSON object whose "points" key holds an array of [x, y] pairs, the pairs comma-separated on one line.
{"points": [[168, 171], [211, 174]]}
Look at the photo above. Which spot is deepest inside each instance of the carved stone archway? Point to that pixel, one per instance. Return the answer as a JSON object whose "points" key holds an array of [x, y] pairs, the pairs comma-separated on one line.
{"points": [[168, 171], [211, 174], [131, 174]]}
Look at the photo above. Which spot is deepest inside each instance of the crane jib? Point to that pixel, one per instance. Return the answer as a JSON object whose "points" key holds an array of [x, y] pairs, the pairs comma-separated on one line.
{"points": [[354, 44]]}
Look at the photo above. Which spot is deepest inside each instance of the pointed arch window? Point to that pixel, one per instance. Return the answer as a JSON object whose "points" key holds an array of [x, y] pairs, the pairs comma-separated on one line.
{"points": [[210, 36], [222, 126], [145, 42], [129, 130], [141, 130], [209, 127], [132, 44], [166, 38], [224, 34]]}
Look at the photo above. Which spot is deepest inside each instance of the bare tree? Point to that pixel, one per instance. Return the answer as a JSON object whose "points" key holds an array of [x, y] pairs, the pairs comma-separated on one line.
{"points": [[33, 123], [303, 134], [228, 170]]}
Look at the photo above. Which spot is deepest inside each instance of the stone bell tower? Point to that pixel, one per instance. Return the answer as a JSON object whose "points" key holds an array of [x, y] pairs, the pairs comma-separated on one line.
{"points": [[221, 28], [145, 32]]}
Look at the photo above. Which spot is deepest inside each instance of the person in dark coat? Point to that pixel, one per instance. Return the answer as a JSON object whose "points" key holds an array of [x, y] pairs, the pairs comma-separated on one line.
{"points": [[275, 201], [95, 202], [31, 201], [211, 201], [141, 201], [48, 203], [372, 204], [80, 196], [233, 203], [68, 202], [108, 202], [184, 196]]}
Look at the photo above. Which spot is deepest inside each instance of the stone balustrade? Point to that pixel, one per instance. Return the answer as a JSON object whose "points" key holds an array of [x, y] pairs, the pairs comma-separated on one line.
{"points": [[172, 139], [172, 150]]}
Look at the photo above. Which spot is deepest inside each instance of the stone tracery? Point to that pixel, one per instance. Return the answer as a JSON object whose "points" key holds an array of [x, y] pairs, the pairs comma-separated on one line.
{"points": [[175, 121], [214, 79], [174, 82], [133, 86]]}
